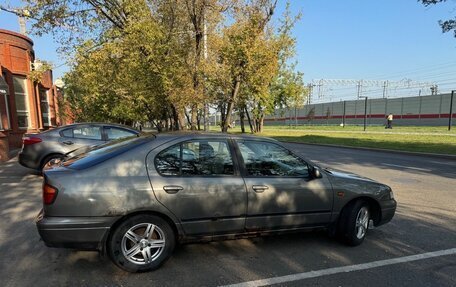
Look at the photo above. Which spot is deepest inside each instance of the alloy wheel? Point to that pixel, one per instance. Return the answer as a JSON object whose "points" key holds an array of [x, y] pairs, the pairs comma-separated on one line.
{"points": [[362, 222], [143, 243]]}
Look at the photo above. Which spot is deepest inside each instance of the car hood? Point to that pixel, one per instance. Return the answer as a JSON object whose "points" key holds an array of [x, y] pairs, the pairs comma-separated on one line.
{"points": [[346, 175]]}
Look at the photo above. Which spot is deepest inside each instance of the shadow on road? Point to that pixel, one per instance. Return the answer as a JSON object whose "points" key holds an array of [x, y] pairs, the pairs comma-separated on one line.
{"points": [[27, 261]]}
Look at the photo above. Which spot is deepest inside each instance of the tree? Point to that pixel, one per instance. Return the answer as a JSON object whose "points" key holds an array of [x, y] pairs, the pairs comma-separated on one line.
{"points": [[288, 90], [447, 25], [146, 60], [152, 44]]}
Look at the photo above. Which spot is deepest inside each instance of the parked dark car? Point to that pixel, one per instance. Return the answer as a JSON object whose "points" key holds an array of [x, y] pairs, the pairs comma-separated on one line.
{"points": [[135, 199], [40, 149]]}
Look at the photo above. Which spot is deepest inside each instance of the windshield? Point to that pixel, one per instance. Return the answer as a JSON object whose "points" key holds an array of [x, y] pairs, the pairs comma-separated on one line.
{"points": [[86, 157]]}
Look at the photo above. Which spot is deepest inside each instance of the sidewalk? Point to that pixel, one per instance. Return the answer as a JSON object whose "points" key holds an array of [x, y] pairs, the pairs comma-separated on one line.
{"points": [[13, 153]]}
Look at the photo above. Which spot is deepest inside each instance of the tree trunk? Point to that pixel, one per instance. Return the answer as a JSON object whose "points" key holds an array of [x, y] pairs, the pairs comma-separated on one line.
{"points": [[256, 123], [158, 125], [231, 103], [198, 120], [250, 121], [222, 114], [182, 125], [193, 121], [189, 121], [176, 118], [241, 119], [261, 124], [197, 18]]}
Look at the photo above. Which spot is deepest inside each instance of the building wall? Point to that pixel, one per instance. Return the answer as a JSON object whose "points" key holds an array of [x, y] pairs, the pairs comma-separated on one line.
{"points": [[408, 111], [16, 56]]}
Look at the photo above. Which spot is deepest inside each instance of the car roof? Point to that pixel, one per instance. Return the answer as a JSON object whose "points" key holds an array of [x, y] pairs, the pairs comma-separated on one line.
{"points": [[201, 134], [98, 124]]}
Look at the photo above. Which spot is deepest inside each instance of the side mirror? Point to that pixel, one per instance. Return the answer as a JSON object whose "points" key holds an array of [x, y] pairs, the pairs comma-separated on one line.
{"points": [[316, 172]]}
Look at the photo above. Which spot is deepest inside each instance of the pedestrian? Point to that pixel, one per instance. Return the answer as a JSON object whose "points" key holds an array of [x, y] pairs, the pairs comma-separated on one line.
{"points": [[389, 121]]}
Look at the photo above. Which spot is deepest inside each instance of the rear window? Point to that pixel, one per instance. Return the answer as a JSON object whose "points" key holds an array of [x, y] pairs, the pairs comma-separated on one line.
{"points": [[106, 151], [113, 133]]}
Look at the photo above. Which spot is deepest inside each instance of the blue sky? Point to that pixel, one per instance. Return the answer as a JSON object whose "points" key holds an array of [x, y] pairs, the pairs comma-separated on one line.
{"points": [[351, 39]]}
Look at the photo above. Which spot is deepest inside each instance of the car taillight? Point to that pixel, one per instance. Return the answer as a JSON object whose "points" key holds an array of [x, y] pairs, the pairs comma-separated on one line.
{"points": [[30, 141], [49, 194]]}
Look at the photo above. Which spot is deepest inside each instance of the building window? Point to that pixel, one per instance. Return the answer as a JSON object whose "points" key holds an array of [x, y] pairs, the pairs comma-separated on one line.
{"points": [[5, 96], [7, 114], [21, 99], [44, 107]]}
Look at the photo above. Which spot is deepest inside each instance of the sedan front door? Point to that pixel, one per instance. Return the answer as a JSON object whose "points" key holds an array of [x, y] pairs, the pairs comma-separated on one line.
{"points": [[281, 191]]}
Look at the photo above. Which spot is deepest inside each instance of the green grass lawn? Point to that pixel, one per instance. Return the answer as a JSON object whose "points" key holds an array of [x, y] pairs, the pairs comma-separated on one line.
{"points": [[415, 139], [396, 129]]}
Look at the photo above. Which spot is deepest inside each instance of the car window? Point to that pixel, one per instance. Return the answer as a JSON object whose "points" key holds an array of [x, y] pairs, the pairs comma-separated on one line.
{"points": [[100, 153], [196, 158], [87, 132], [270, 159], [116, 133], [167, 162], [68, 133]]}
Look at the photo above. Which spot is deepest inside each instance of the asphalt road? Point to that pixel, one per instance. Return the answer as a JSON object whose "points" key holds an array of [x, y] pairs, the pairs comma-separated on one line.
{"points": [[425, 189]]}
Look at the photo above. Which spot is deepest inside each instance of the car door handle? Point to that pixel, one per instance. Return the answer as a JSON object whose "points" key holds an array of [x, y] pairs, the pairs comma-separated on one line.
{"points": [[259, 188], [68, 142], [172, 189]]}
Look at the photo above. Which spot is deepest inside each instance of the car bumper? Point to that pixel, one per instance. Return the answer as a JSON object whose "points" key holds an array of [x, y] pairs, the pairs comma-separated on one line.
{"points": [[84, 233], [27, 161], [388, 209]]}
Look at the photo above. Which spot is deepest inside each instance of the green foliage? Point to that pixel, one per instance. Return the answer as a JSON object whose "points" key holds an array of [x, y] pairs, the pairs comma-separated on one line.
{"points": [[36, 75], [145, 60], [447, 25]]}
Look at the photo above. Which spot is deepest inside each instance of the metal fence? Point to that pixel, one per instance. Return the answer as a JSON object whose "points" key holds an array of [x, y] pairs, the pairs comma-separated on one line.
{"points": [[411, 111]]}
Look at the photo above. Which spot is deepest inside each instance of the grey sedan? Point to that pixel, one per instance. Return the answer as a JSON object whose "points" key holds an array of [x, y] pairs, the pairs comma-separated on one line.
{"points": [[134, 199], [40, 149]]}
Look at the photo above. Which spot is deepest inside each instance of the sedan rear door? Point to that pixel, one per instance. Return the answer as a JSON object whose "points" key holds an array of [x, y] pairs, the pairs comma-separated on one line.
{"points": [[79, 136], [199, 182]]}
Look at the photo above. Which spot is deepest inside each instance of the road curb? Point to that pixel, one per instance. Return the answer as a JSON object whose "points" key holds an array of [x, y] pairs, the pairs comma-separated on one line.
{"points": [[435, 155]]}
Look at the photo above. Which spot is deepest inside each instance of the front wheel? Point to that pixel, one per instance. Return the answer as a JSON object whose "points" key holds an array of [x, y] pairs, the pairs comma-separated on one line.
{"points": [[141, 243], [354, 223]]}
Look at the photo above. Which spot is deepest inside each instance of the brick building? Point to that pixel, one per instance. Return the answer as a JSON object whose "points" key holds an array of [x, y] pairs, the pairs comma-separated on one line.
{"points": [[25, 106]]}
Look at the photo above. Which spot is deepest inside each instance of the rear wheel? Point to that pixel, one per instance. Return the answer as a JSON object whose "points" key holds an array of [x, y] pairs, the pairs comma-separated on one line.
{"points": [[354, 223], [141, 243], [48, 160]]}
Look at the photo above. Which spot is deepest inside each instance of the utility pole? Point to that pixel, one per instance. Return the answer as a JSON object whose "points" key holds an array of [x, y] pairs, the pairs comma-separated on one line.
{"points": [[385, 89], [311, 89], [320, 89], [360, 85], [22, 15]]}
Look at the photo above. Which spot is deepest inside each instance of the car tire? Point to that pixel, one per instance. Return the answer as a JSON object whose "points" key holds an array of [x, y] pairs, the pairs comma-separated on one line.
{"points": [[354, 223], [48, 158], [141, 243]]}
